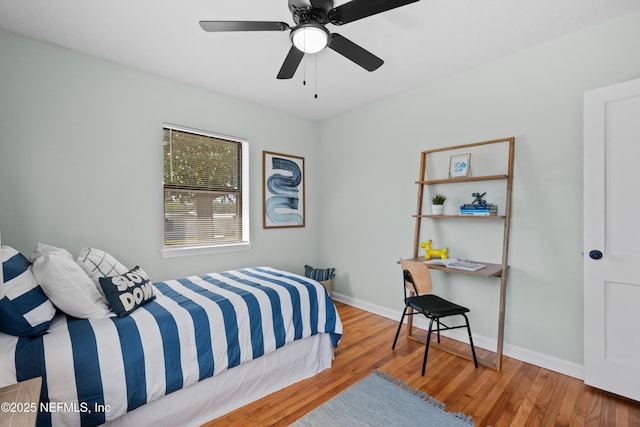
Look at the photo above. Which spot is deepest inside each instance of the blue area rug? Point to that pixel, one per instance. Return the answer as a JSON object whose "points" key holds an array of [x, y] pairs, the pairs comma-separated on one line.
{"points": [[380, 400]]}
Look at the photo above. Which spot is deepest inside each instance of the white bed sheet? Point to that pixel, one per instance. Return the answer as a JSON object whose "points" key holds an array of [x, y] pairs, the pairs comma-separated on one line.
{"points": [[233, 388]]}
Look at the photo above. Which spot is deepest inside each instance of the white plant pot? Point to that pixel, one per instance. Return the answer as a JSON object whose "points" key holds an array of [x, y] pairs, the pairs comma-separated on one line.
{"points": [[437, 209]]}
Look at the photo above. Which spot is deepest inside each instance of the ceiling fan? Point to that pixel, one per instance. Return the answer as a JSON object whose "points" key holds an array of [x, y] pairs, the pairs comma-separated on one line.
{"points": [[310, 34]]}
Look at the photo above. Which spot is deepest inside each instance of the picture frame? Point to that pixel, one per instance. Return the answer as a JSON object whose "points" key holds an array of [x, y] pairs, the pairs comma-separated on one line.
{"points": [[283, 190], [460, 165]]}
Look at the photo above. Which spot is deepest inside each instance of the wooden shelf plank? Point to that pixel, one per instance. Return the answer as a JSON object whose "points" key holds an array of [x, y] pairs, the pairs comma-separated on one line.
{"points": [[473, 144], [462, 179], [461, 216], [491, 269]]}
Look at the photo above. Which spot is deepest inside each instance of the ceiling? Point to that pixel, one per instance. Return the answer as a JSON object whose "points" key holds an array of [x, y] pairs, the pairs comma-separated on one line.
{"points": [[420, 43]]}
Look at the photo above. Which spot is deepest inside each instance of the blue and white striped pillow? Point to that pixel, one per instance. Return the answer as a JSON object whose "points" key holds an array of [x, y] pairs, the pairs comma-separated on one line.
{"points": [[319, 274], [24, 308]]}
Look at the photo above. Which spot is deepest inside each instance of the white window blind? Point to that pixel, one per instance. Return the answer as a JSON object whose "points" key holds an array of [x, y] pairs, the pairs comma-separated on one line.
{"points": [[205, 189]]}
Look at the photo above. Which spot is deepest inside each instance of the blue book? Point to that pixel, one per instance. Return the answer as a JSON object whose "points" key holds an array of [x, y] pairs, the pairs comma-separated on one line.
{"points": [[478, 213], [470, 206]]}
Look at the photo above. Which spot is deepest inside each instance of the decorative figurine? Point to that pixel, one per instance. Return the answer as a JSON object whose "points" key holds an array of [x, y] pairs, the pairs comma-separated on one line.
{"points": [[479, 199], [430, 252]]}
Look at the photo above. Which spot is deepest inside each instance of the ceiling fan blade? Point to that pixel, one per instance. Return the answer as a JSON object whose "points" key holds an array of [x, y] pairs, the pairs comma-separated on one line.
{"points": [[355, 53], [291, 62], [358, 9], [218, 26]]}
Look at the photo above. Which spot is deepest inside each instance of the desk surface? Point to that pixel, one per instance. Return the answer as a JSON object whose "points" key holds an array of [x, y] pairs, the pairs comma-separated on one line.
{"points": [[491, 270]]}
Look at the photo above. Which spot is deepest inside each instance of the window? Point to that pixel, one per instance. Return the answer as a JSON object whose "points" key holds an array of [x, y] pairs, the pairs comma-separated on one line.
{"points": [[205, 192]]}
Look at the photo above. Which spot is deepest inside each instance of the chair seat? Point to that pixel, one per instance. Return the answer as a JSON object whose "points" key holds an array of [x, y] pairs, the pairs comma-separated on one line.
{"points": [[434, 306]]}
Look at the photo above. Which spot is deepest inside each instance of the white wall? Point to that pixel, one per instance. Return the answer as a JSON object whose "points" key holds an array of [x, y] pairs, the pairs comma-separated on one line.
{"points": [[536, 95], [81, 150]]}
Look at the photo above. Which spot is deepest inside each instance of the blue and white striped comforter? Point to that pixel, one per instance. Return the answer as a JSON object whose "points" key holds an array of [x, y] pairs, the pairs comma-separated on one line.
{"points": [[96, 370]]}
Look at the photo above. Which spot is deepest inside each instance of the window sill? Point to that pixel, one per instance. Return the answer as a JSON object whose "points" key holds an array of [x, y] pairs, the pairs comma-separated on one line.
{"points": [[204, 250]]}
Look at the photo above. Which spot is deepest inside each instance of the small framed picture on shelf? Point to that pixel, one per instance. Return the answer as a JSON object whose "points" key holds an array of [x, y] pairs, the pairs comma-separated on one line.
{"points": [[460, 165]]}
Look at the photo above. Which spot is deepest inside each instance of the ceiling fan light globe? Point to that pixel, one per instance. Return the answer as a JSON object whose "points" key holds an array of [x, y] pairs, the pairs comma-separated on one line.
{"points": [[310, 38]]}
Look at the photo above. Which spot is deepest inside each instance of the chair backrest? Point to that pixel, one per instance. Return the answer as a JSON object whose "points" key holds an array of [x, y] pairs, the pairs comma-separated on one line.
{"points": [[419, 274]]}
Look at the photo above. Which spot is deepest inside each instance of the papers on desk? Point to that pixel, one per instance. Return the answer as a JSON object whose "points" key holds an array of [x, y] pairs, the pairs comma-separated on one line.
{"points": [[459, 264]]}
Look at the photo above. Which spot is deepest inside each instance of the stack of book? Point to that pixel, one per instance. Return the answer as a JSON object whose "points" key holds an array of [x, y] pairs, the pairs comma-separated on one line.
{"points": [[479, 210]]}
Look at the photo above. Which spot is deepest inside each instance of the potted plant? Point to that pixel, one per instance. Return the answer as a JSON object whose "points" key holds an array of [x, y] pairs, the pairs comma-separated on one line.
{"points": [[438, 203]]}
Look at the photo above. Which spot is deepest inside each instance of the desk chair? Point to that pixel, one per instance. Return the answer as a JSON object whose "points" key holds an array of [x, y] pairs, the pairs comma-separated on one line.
{"points": [[417, 282]]}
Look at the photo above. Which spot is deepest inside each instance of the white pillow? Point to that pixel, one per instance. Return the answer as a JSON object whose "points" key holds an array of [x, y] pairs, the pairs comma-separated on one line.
{"points": [[43, 249], [66, 284], [98, 263]]}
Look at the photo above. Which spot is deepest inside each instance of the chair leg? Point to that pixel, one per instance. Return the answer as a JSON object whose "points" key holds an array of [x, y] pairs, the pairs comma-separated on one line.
{"points": [[426, 347], [438, 325], [404, 312], [473, 349]]}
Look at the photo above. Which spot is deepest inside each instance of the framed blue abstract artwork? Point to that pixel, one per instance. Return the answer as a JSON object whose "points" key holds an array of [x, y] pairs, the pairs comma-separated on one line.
{"points": [[283, 190]]}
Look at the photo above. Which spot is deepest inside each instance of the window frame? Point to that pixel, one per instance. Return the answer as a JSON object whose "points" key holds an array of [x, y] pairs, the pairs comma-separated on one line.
{"points": [[242, 245]]}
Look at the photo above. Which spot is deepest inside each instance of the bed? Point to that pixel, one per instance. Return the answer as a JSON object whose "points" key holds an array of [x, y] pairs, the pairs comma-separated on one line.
{"points": [[204, 345]]}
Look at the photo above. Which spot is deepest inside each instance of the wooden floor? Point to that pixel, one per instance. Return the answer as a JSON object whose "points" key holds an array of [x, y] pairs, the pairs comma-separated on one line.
{"points": [[519, 395]]}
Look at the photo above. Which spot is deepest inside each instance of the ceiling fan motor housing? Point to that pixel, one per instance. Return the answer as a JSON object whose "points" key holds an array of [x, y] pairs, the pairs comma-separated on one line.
{"points": [[318, 11]]}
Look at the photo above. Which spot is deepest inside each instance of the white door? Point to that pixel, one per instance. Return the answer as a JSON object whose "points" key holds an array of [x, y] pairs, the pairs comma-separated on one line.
{"points": [[612, 238]]}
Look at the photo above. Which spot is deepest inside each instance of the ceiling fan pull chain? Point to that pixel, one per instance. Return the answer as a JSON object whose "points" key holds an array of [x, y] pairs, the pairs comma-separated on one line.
{"points": [[304, 71], [315, 59], [304, 44]]}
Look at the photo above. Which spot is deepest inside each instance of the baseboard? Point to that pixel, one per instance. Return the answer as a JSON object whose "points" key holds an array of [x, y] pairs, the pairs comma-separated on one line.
{"points": [[544, 361]]}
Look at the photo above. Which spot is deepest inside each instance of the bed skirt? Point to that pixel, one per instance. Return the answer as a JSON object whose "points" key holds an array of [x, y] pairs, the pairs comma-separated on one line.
{"points": [[235, 387]]}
